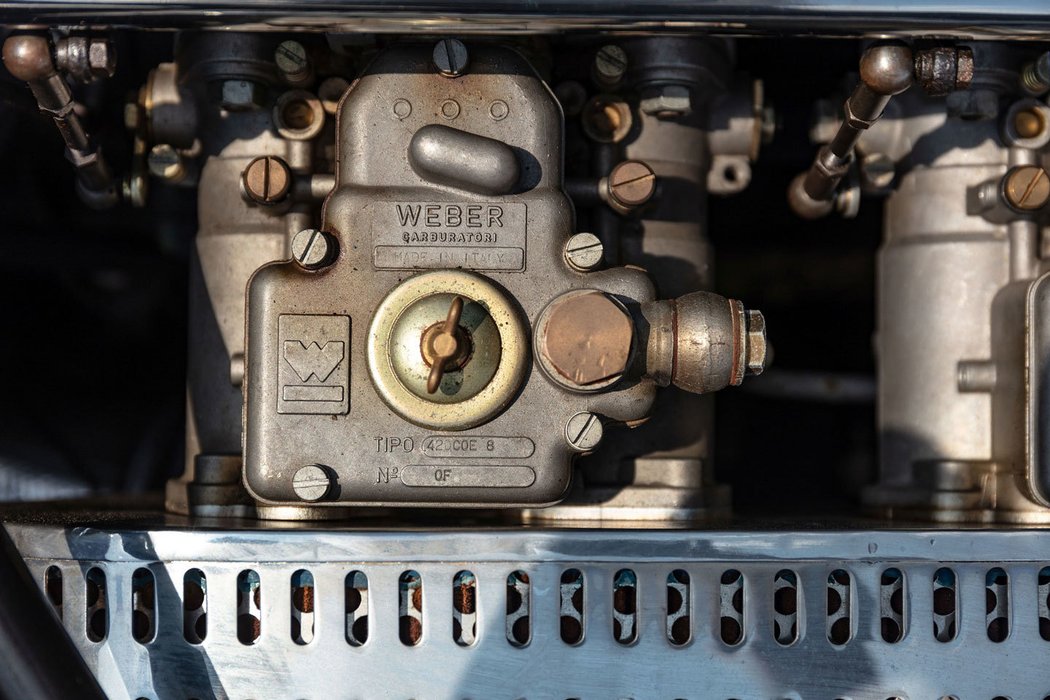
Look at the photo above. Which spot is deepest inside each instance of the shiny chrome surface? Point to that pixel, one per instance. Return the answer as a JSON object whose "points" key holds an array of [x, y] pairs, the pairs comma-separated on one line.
{"points": [[964, 19], [864, 667]]}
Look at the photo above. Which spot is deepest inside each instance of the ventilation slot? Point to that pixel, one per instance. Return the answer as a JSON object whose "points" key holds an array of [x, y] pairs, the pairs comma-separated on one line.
{"points": [[465, 608], [194, 606], [302, 622], [625, 606], [53, 588], [249, 607], [517, 621], [1043, 603], [143, 606], [891, 605], [410, 608], [97, 620], [356, 608], [678, 632], [572, 606], [945, 614], [731, 607], [785, 607], [997, 604], [840, 601]]}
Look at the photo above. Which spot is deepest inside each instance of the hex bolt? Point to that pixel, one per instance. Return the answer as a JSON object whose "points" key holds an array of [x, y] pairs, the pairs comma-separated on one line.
{"points": [[584, 252], [313, 249], [610, 64], [292, 62], [585, 340], [757, 344], [166, 163], [583, 431], [241, 95], [1026, 188], [311, 483], [267, 180], [631, 184], [451, 58]]}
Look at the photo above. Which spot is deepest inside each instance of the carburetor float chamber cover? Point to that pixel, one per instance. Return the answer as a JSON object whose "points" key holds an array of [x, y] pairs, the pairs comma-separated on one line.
{"points": [[402, 369]]}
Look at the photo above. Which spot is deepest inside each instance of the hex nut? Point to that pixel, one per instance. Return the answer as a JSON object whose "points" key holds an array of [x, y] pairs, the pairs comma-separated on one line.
{"points": [[757, 344], [585, 339], [241, 95], [311, 483], [667, 101], [102, 59]]}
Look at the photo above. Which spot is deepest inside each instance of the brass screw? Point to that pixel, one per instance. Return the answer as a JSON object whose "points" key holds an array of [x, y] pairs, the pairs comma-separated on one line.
{"points": [[1027, 188], [632, 183], [267, 180]]}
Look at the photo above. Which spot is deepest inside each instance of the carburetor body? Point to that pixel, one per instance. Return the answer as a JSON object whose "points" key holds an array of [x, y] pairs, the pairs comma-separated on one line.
{"points": [[449, 192]]}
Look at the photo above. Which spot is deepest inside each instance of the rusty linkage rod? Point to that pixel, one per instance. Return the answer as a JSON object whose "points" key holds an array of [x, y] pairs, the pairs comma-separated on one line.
{"points": [[29, 57], [886, 69]]}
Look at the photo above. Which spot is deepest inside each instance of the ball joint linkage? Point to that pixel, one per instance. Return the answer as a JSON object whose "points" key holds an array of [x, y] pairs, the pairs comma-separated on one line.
{"points": [[886, 69]]}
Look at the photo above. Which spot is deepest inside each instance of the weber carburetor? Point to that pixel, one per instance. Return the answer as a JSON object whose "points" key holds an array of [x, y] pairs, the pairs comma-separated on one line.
{"points": [[447, 337]]}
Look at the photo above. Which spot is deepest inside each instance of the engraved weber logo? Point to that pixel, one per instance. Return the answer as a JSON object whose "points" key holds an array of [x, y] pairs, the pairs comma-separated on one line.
{"points": [[429, 235], [313, 371]]}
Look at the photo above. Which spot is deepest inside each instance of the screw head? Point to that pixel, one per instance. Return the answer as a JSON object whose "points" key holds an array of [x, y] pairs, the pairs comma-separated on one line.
{"points": [[632, 183], [165, 162], [267, 180], [290, 57], [610, 64], [584, 252], [313, 249], [583, 431], [451, 58], [312, 482], [1026, 188]]}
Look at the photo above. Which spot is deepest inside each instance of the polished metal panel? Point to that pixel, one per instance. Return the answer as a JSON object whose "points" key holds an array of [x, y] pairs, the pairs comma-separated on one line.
{"points": [[964, 18], [866, 667]]}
